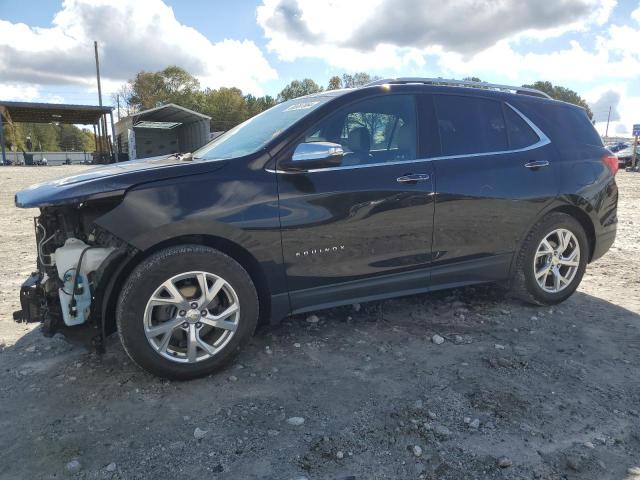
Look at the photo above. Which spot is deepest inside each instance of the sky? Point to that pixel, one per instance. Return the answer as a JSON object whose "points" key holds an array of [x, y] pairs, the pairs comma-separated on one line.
{"points": [[591, 46]]}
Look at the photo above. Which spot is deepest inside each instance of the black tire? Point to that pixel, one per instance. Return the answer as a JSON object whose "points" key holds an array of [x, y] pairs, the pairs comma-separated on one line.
{"points": [[155, 270], [524, 285]]}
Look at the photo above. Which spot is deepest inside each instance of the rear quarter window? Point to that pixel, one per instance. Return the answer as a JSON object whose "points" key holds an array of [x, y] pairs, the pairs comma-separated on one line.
{"points": [[521, 135]]}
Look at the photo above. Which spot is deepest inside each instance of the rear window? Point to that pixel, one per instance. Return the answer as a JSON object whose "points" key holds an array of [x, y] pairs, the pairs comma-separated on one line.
{"points": [[521, 135], [470, 125]]}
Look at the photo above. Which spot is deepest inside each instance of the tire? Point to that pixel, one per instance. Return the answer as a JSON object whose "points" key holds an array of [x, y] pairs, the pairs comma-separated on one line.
{"points": [[138, 314], [524, 284]]}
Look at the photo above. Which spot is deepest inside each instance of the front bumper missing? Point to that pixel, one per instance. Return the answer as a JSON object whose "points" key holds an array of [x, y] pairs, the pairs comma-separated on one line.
{"points": [[33, 300]]}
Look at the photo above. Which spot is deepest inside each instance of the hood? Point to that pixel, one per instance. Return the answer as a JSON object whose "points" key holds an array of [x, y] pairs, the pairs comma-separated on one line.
{"points": [[110, 180]]}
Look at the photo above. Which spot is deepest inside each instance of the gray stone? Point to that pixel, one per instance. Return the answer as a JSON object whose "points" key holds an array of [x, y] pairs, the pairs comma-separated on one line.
{"points": [[74, 466], [437, 339], [475, 424], [199, 434], [442, 431], [111, 467], [295, 421], [417, 450], [313, 319], [504, 462]]}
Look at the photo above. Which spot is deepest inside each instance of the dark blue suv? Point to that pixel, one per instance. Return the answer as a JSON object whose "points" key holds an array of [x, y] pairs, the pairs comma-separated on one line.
{"points": [[400, 187]]}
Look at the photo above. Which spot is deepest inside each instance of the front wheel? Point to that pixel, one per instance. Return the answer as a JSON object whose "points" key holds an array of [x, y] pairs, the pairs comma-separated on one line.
{"points": [[185, 311], [551, 261]]}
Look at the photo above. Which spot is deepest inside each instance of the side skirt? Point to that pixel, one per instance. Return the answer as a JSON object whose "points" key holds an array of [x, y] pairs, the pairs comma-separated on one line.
{"points": [[488, 269]]}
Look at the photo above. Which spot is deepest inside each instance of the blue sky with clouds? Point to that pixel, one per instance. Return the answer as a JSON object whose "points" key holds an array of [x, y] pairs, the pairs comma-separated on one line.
{"points": [[592, 46]]}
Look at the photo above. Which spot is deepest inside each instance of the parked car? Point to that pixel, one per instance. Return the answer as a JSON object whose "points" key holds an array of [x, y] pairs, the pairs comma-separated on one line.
{"points": [[399, 187], [618, 146], [625, 157]]}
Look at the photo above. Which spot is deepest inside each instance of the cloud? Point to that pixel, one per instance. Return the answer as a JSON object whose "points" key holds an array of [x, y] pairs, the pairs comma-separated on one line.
{"points": [[306, 28], [133, 36], [600, 108], [14, 91]]}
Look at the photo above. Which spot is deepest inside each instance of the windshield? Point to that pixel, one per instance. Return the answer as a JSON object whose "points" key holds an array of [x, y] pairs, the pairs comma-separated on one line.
{"points": [[255, 133]]}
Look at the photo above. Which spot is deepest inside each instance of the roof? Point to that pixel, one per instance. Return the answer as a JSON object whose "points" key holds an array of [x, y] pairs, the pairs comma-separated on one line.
{"points": [[168, 113], [52, 112]]}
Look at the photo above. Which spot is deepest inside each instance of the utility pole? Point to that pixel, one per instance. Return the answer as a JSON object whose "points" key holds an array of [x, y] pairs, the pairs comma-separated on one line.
{"points": [[95, 47], [118, 102], [103, 121], [606, 133]]}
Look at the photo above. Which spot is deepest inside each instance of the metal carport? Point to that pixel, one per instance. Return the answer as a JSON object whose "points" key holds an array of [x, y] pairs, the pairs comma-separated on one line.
{"points": [[29, 112]]}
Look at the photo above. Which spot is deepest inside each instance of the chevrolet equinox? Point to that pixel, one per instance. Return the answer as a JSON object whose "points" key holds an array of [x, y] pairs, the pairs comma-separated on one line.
{"points": [[399, 187]]}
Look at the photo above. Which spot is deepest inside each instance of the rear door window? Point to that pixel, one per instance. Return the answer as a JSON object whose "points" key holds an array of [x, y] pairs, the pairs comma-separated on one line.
{"points": [[470, 125]]}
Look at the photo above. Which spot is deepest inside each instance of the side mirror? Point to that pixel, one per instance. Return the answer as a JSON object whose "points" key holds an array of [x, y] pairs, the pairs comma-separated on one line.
{"points": [[308, 156]]}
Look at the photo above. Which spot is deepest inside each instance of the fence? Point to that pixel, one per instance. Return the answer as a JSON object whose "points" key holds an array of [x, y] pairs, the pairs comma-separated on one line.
{"points": [[53, 158]]}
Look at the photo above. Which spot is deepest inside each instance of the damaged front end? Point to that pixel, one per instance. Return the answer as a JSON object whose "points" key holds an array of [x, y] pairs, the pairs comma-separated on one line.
{"points": [[74, 260]]}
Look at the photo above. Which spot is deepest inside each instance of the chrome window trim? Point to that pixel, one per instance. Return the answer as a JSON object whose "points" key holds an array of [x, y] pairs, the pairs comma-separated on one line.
{"points": [[542, 141]]}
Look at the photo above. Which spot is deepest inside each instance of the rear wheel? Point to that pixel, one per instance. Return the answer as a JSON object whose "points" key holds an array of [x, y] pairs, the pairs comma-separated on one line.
{"points": [[552, 260], [185, 311]]}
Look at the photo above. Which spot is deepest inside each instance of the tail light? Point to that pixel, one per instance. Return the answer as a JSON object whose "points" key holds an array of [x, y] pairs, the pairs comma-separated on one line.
{"points": [[611, 161]]}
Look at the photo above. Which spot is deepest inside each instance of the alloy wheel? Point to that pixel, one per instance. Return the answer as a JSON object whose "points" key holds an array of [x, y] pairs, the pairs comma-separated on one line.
{"points": [[191, 316], [557, 260]]}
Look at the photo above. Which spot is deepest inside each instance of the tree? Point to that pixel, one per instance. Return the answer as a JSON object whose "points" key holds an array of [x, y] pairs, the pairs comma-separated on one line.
{"points": [[471, 79], [359, 79], [335, 83], [299, 88], [152, 89], [226, 107], [561, 93], [256, 105]]}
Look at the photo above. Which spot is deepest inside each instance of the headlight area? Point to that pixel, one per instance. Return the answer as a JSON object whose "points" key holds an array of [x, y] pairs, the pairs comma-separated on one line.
{"points": [[73, 255]]}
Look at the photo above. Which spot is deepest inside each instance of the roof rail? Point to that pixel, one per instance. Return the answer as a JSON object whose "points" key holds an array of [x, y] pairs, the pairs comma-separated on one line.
{"points": [[460, 83]]}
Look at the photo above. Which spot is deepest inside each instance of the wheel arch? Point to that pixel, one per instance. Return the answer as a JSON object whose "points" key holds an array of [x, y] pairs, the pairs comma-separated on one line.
{"points": [[583, 218], [233, 250], [573, 211]]}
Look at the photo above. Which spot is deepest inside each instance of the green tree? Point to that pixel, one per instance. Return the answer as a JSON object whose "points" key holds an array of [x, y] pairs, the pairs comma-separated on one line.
{"points": [[226, 107], [359, 79], [152, 89], [13, 135], [335, 83], [72, 138], [299, 88], [256, 105], [561, 93]]}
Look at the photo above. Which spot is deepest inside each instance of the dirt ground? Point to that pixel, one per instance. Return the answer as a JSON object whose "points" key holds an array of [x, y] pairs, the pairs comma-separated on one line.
{"points": [[514, 392]]}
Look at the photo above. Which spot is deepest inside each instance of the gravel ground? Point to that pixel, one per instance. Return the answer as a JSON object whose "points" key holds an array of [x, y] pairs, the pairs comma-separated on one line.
{"points": [[504, 391]]}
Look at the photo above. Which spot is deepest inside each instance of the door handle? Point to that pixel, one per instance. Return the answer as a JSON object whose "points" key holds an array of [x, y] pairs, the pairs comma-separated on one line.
{"points": [[413, 178], [537, 164]]}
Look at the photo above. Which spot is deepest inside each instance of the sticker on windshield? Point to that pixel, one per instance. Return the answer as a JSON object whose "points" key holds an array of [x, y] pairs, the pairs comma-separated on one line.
{"points": [[301, 106]]}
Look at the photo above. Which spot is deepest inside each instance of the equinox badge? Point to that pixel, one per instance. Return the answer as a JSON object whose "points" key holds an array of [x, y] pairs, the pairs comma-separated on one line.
{"points": [[320, 251]]}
